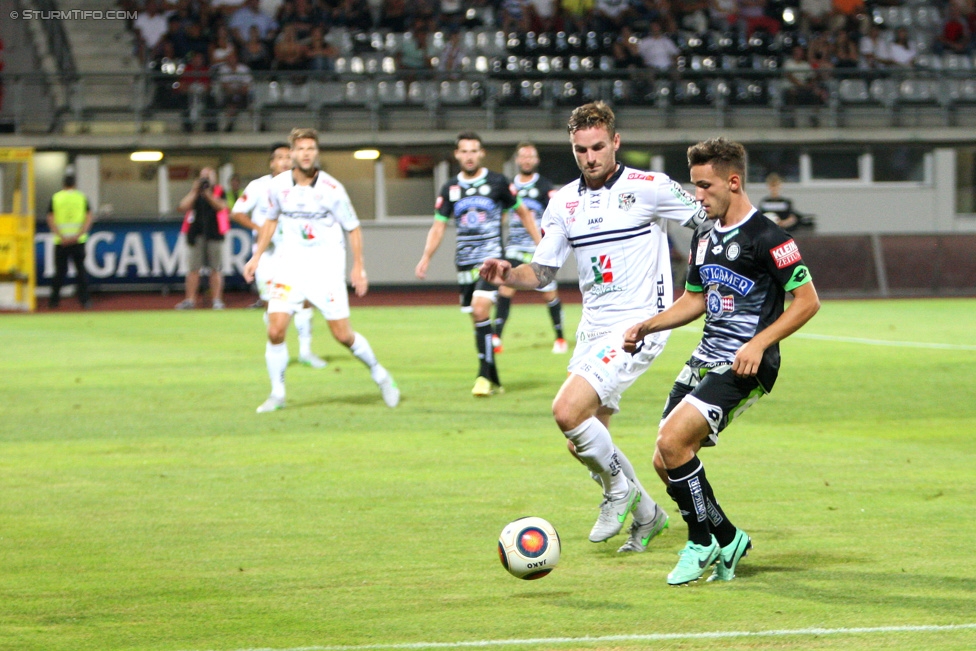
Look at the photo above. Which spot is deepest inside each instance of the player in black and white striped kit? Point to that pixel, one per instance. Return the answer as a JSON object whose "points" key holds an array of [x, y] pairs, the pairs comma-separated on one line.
{"points": [[740, 268]]}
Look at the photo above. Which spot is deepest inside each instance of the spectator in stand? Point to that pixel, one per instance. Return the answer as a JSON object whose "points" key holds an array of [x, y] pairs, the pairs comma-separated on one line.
{"points": [[353, 14], [804, 88], [874, 48], [221, 47], [515, 16], [820, 53], [413, 53], [194, 40], [954, 37], [175, 36], [576, 13], [304, 17], [249, 15], [752, 14], [234, 81], [289, 54], [657, 50], [451, 14], [692, 15], [723, 14], [611, 15], [452, 56], [150, 25], [255, 53], [321, 54], [902, 52], [194, 88], [646, 12], [846, 54], [848, 14], [223, 8], [394, 16], [544, 15], [626, 50], [815, 15]]}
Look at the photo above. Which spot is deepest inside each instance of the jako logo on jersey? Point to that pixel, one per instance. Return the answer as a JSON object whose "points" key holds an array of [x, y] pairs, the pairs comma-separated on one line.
{"points": [[785, 254], [602, 273], [717, 274], [626, 200], [639, 176], [607, 354], [595, 220], [571, 206]]}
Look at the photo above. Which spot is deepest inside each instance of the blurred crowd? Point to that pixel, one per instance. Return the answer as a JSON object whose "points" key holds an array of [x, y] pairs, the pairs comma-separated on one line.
{"points": [[216, 44]]}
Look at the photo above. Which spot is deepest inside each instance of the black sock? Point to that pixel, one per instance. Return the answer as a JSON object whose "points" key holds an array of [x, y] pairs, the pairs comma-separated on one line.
{"points": [[486, 354], [502, 308], [722, 529], [686, 486], [556, 314]]}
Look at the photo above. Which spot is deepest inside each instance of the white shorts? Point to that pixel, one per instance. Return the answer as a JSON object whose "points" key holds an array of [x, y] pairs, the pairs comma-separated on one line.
{"points": [[264, 276], [599, 358], [321, 284]]}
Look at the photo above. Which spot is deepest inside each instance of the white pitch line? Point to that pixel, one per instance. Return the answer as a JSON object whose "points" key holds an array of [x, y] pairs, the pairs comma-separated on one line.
{"points": [[651, 637], [868, 342]]}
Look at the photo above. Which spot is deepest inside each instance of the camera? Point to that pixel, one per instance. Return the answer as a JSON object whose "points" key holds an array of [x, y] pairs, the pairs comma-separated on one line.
{"points": [[204, 184]]}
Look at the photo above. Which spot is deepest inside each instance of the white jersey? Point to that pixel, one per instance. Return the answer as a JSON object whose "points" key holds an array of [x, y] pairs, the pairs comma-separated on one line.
{"points": [[311, 218], [254, 202], [618, 236]]}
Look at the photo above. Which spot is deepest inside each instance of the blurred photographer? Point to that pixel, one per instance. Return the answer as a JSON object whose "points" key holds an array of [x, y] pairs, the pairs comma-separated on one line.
{"points": [[206, 221]]}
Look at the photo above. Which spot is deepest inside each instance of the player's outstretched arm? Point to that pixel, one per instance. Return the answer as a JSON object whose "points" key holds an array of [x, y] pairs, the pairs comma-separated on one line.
{"points": [[264, 238], [434, 237], [244, 220], [683, 311], [357, 276], [805, 304]]}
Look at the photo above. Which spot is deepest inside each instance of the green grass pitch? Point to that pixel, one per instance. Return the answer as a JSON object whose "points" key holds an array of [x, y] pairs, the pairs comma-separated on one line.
{"points": [[144, 505]]}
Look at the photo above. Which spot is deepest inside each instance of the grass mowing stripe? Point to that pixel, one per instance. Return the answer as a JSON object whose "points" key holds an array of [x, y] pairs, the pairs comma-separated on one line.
{"points": [[649, 637]]}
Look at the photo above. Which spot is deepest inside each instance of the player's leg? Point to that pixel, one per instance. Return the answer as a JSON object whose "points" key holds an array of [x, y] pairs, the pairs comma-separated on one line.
{"points": [[575, 409], [482, 299], [555, 307], [502, 309], [215, 260], [276, 353], [303, 324], [194, 261], [81, 278]]}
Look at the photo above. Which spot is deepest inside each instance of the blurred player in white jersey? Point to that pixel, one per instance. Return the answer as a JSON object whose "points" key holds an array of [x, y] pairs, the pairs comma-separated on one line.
{"points": [[250, 211], [312, 211], [534, 190], [613, 221]]}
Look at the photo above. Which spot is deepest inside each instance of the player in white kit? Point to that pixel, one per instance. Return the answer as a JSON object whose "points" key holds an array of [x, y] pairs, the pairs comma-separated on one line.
{"points": [[613, 221], [250, 211], [312, 211]]}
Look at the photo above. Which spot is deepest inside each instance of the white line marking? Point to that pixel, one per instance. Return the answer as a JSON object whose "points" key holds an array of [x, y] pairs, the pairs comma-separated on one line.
{"points": [[868, 342], [652, 637]]}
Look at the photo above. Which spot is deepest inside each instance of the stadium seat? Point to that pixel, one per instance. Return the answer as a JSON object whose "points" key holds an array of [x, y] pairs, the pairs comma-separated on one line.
{"points": [[391, 93], [326, 94], [919, 91], [957, 62], [853, 91]]}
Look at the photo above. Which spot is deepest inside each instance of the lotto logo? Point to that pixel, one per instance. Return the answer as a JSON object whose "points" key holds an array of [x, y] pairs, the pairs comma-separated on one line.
{"points": [[607, 354], [602, 273], [785, 254]]}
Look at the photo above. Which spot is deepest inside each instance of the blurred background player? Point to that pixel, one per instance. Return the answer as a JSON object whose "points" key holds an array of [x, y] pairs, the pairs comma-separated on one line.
{"points": [[314, 211], [741, 267], [475, 200], [250, 210], [534, 191], [612, 220]]}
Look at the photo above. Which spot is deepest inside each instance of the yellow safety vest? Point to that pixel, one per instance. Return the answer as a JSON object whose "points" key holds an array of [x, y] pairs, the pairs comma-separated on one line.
{"points": [[70, 208]]}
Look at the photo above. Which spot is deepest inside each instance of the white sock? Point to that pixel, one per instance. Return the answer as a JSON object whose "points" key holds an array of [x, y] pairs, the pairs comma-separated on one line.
{"points": [[647, 507], [303, 324], [595, 447], [364, 353], [276, 357]]}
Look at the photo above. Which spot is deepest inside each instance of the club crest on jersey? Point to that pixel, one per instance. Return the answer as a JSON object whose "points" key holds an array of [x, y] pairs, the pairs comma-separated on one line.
{"points": [[716, 304], [602, 272], [454, 192], [571, 206], [308, 233], [606, 354], [785, 254], [716, 274], [626, 200], [733, 251], [473, 217]]}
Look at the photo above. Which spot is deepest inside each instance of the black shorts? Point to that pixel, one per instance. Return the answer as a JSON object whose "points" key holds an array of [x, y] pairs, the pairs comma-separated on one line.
{"points": [[469, 282], [715, 391]]}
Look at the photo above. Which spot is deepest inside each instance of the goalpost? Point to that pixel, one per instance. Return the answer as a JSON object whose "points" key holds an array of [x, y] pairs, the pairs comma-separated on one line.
{"points": [[18, 277]]}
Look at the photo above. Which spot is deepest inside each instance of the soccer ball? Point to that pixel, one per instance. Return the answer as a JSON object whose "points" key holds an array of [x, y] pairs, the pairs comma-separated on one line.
{"points": [[529, 548]]}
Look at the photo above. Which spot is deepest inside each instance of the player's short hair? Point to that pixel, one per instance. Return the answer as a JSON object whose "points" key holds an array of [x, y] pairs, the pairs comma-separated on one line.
{"points": [[303, 133], [774, 179], [524, 144], [467, 135], [594, 114], [722, 154], [275, 147]]}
